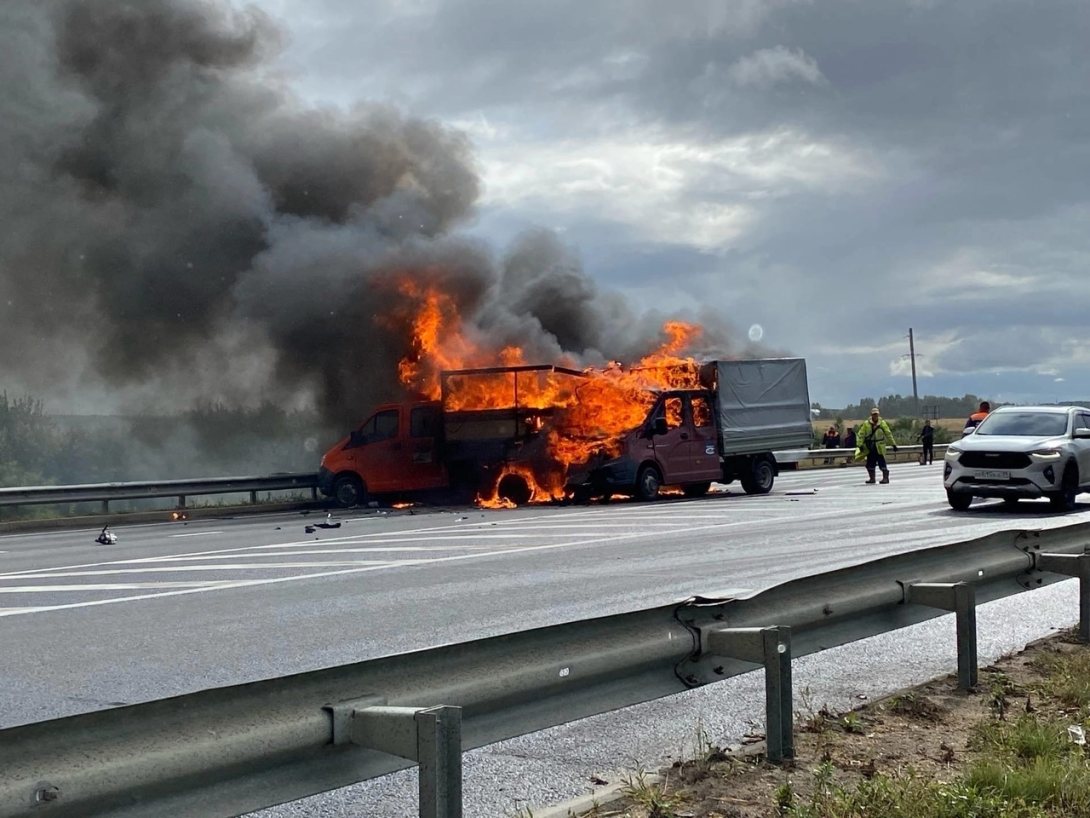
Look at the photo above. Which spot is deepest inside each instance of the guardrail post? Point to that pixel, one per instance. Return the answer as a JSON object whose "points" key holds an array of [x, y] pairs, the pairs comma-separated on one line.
{"points": [[105, 506], [959, 597], [253, 498], [181, 501], [770, 647], [1072, 565], [430, 736]]}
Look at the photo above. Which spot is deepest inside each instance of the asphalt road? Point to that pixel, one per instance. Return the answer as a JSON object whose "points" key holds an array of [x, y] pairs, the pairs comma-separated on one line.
{"points": [[172, 608]]}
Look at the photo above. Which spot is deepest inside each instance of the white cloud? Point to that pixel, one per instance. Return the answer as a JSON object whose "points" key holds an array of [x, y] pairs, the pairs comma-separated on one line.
{"points": [[773, 66], [675, 190]]}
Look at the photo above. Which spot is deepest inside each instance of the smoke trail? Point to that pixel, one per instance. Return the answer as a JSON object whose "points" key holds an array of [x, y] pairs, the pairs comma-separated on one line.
{"points": [[180, 226]]}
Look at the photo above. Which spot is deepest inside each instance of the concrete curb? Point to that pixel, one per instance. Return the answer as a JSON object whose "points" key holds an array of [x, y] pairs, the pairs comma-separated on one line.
{"points": [[584, 803]]}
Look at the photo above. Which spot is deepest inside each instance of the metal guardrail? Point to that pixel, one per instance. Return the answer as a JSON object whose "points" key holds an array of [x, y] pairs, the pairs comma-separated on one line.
{"points": [[236, 749], [815, 458], [105, 492]]}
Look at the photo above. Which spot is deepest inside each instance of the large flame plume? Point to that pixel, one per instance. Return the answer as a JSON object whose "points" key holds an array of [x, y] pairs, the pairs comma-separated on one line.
{"points": [[591, 414]]}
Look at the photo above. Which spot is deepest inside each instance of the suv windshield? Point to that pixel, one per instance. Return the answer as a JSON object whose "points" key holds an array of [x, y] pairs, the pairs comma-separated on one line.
{"points": [[1027, 424]]}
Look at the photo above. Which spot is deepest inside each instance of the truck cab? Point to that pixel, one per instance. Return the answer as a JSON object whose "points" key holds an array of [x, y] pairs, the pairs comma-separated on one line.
{"points": [[395, 450], [676, 445]]}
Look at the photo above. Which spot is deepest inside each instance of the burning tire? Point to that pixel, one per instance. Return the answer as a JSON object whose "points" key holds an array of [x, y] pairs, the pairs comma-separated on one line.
{"points": [[349, 491], [581, 495], [514, 487], [648, 482]]}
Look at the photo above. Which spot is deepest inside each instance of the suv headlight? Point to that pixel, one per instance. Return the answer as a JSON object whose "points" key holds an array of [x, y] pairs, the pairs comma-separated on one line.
{"points": [[953, 450], [1046, 455]]}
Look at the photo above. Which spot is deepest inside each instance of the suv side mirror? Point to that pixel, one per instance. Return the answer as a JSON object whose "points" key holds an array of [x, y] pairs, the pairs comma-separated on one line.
{"points": [[1082, 432], [660, 427]]}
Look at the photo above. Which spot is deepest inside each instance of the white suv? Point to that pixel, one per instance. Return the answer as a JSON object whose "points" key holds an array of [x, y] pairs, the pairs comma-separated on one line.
{"points": [[1022, 452]]}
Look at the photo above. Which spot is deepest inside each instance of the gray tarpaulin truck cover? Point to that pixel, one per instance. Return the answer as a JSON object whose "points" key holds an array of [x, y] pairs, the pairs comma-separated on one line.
{"points": [[763, 405]]}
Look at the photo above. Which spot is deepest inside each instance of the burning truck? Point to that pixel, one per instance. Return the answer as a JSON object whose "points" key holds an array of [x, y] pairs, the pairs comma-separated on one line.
{"points": [[516, 434], [483, 438]]}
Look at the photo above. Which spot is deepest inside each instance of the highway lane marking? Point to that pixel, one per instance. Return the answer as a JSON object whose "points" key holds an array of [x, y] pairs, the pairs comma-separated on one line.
{"points": [[444, 533], [392, 536], [195, 534], [232, 567], [229, 585], [680, 508], [112, 586]]}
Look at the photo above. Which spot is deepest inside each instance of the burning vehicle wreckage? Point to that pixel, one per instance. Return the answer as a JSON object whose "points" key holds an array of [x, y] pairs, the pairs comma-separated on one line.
{"points": [[509, 435]]}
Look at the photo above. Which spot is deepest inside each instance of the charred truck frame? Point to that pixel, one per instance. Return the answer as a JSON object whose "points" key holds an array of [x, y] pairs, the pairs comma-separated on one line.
{"points": [[485, 420]]}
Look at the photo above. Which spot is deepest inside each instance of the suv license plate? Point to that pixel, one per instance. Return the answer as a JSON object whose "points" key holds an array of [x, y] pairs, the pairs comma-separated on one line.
{"points": [[991, 474]]}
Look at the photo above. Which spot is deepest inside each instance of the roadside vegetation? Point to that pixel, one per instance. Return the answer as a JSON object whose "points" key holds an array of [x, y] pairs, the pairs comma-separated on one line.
{"points": [[39, 449], [1014, 748]]}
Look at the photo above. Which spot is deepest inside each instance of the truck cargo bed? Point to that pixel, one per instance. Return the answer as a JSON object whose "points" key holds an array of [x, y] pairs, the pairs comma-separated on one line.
{"points": [[762, 405]]}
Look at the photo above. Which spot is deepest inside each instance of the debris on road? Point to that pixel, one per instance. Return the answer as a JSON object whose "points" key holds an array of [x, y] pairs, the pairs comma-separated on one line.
{"points": [[328, 522], [106, 537]]}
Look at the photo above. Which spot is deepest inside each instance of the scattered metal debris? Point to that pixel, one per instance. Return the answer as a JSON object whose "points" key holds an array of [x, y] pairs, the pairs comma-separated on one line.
{"points": [[106, 537], [328, 522]]}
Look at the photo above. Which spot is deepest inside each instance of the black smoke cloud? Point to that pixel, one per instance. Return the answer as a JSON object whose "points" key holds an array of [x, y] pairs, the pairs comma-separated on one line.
{"points": [[178, 225]]}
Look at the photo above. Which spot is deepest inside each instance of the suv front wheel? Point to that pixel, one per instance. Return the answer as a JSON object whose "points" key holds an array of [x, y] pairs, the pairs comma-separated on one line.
{"points": [[1064, 499], [958, 501]]}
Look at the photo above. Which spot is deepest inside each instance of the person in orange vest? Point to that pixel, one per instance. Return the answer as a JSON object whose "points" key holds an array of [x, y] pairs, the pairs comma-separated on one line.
{"points": [[871, 441], [976, 417]]}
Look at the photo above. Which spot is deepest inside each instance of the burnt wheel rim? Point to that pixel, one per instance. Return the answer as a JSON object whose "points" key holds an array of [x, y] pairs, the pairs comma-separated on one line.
{"points": [[348, 493], [650, 483]]}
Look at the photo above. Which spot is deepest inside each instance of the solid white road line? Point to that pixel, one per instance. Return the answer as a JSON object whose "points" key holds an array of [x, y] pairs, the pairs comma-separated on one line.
{"points": [[346, 571]]}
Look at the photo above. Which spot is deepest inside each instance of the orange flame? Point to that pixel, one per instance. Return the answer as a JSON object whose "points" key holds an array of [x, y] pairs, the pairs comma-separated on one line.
{"points": [[438, 341], [580, 417]]}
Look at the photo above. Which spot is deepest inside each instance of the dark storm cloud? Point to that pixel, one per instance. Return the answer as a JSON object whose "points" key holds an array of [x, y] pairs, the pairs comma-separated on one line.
{"points": [[967, 125]]}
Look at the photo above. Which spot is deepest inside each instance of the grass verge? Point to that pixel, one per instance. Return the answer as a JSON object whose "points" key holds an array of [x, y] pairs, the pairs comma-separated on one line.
{"points": [[1015, 747]]}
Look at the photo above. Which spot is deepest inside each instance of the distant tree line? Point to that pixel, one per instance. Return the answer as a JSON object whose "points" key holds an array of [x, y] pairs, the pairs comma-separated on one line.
{"points": [[897, 406]]}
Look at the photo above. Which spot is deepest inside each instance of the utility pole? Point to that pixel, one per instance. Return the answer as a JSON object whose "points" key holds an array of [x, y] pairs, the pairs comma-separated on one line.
{"points": [[912, 355]]}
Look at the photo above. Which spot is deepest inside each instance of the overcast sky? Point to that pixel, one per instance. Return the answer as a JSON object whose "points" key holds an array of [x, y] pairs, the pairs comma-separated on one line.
{"points": [[829, 173], [208, 200]]}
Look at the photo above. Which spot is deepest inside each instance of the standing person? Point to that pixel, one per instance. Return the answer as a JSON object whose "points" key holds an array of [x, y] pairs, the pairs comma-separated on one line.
{"points": [[849, 438], [832, 438], [872, 439], [975, 418], [927, 438]]}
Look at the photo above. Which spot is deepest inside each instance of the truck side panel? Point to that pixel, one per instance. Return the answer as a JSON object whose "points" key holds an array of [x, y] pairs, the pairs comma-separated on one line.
{"points": [[761, 405]]}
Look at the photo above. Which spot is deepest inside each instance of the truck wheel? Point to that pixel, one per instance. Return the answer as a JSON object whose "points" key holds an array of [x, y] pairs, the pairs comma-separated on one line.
{"points": [[958, 501], [348, 491], [1064, 499], [514, 487], [760, 478], [581, 495], [696, 489], [648, 482]]}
